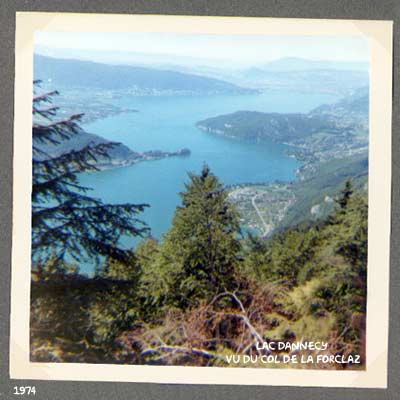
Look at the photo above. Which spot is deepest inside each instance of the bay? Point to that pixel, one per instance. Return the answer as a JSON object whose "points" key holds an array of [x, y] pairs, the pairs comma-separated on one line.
{"points": [[167, 123]]}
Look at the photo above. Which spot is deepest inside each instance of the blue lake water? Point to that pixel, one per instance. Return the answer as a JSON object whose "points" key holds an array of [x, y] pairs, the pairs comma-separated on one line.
{"points": [[168, 124]]}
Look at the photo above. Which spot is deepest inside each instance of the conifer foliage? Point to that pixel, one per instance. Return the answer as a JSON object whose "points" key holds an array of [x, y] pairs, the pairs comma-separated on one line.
{"points": [[66, 221], [200, 252]]}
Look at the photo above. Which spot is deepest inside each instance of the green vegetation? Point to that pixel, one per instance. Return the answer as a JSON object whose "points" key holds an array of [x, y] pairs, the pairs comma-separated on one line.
{"points": [[314, 194], [205, 292], [258, 126], [198, 257], [323, 126]]}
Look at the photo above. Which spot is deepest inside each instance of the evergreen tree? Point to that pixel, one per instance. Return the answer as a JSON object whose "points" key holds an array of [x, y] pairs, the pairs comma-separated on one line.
{"points": [[66, 222], [198, 258]]}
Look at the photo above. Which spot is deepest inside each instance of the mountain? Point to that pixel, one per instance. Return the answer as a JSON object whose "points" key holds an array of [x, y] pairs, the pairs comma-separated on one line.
{"points": [[330, 81], [67, 73], [348, 115], [155, 74], [134, 58], [259, 126], [298, 74]]}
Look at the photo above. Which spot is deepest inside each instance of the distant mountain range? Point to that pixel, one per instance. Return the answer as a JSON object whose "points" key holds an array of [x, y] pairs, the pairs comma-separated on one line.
{"points": [[155, 74], [67, 73], [296, 74], [330, 81], [187, 63]]}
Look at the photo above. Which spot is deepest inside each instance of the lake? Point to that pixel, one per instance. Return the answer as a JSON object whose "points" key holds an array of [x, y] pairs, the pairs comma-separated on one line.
{"points": [[168, 123]]}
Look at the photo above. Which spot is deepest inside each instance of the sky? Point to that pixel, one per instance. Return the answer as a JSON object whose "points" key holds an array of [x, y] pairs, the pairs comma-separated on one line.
{"points": [[241, 49]]}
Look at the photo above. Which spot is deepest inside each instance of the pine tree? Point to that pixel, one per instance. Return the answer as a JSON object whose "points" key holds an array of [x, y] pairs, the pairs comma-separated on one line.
{"points": [[66, 222], [198, 258]]}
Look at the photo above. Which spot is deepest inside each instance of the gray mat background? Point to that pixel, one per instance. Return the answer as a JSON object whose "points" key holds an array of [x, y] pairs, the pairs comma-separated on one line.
{"points": [[344, 9]]}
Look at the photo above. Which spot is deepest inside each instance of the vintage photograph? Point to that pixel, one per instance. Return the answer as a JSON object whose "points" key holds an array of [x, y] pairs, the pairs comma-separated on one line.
{"points": [[201, 194], [199, 198]]}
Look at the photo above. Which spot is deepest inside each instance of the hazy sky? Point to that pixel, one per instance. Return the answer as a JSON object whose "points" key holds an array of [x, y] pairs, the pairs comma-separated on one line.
{"points": [[239, 48]]}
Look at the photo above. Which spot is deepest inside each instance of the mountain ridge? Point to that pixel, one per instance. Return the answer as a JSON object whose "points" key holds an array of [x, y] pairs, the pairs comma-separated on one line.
{"points": [[89, 74], [348, 114]]}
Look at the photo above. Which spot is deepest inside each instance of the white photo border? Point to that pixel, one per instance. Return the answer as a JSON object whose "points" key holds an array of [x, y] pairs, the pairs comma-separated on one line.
{"points": [[379, 35]]}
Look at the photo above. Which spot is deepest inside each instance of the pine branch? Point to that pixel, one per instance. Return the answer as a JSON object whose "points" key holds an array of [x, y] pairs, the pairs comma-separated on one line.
{"points": [[45, 97], [74, 161], [65, 221], [56, 131], [46, 113]]}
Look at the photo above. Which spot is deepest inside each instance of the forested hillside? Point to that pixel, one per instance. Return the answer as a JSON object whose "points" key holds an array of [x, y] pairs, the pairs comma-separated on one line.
{"points": [[330, 142], [349, 115], [205, 292]]}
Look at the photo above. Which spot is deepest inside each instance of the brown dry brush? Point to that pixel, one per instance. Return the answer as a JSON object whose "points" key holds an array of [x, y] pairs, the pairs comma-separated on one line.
{"points": [[231, 323]]}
